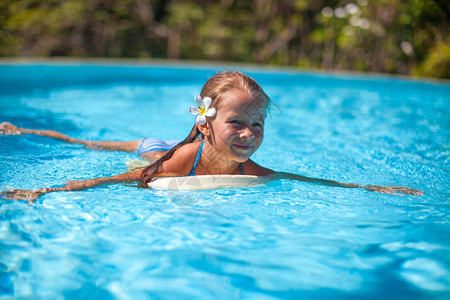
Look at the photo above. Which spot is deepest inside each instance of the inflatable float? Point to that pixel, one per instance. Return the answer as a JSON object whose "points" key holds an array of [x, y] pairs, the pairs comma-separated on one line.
{"points": [[207, 182]]}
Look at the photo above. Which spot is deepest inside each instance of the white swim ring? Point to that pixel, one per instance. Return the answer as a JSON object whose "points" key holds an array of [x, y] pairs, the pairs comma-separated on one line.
{"points": [[207, 182]]}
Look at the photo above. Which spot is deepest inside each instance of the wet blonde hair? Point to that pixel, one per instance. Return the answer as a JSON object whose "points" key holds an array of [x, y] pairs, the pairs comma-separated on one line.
{"points": [[215, 88]]}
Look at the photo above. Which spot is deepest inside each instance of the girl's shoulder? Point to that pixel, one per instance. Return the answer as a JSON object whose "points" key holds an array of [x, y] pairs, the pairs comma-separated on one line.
{"points": [[252, 168], [182, 160], [188, 150]]}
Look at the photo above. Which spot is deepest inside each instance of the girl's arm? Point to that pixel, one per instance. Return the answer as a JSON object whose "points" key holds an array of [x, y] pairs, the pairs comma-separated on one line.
{"points": [[394, 190], [131, 146], [77, 185]]}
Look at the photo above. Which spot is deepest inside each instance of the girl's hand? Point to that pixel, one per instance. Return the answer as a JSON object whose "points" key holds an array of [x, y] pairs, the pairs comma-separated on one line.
{"points": [[28, 195], [393, 190], [10, 129]]}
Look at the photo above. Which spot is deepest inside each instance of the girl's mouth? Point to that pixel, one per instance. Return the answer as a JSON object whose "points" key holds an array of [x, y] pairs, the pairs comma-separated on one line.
{"points": [[243, 147]]}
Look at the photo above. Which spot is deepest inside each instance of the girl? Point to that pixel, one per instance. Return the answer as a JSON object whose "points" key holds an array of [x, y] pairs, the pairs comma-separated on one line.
{"points": [[229, 128]]}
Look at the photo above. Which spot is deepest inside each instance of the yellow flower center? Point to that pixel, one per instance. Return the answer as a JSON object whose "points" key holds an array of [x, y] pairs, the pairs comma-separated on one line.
{"points": [[202, 110]]}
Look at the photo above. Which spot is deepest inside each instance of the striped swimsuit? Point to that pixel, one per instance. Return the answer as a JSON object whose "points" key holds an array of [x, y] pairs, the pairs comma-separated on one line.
{"points": [[153, 144]]}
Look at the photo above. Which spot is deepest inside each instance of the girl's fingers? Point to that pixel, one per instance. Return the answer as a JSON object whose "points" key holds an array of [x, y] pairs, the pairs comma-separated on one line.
{"points": [[406, 190], [394, 190], [21, 195], [9, 129]]}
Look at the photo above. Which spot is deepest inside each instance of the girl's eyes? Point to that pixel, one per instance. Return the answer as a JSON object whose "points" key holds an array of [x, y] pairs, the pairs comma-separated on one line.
{"points": [[237, 123]]}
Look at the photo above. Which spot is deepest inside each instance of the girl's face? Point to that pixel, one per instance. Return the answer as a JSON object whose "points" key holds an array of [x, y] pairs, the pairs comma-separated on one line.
{"points": [[237, 130]]}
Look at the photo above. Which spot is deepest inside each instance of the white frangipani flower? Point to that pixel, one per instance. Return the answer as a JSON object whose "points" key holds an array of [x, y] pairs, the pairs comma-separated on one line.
{"points": [[203, 110]]}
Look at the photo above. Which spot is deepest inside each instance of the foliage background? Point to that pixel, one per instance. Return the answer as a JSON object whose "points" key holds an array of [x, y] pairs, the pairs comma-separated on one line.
{"points": [[393, 36]]}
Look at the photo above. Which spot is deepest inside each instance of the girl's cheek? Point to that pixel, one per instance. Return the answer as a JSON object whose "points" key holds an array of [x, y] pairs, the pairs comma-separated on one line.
{"points": [[229, 132], [259, 133]]}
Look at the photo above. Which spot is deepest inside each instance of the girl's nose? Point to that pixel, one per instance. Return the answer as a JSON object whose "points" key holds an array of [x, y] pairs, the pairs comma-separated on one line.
{"points": [[246, 133]]}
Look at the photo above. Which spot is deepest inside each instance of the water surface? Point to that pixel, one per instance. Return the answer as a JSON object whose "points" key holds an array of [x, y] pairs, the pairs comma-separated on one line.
{"points": [[287, 239]]}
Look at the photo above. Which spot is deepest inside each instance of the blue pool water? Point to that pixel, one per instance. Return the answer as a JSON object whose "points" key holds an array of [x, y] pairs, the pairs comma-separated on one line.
{"points": [[287, 239]]}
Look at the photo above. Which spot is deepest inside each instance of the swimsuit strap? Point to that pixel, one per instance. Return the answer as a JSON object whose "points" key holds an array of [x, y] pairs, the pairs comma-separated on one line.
{"points": [[197, 159], [199, 153]]}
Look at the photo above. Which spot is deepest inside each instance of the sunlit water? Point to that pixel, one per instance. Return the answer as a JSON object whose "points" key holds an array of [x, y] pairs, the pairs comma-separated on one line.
{"points": [[287, 239]]}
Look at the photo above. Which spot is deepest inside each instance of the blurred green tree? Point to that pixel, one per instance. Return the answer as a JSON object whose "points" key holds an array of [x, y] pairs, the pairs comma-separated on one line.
{"points": [[395, 36]]}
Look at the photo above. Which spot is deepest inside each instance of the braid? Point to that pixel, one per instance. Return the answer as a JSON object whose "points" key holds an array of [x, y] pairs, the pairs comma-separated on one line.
{"points": [[149, 172]]}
